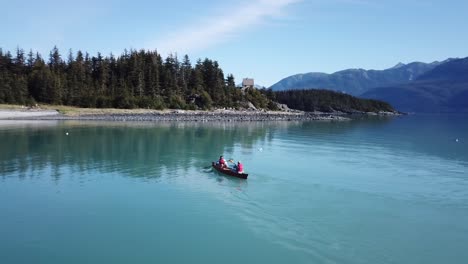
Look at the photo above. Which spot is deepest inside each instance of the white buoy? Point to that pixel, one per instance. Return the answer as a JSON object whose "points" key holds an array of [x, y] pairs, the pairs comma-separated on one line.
{"points": [[456, 140], [66, 133]]}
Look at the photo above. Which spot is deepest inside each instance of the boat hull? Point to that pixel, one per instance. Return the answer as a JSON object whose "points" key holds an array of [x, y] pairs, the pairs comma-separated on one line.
{"points": [[229, 172]]}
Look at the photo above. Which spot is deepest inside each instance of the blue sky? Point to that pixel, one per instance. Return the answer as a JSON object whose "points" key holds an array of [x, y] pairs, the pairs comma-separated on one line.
{"points": [[266, 40]]}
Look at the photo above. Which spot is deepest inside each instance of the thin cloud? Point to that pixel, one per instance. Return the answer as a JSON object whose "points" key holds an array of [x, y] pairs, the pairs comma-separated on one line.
{"points": [[205, 34]]}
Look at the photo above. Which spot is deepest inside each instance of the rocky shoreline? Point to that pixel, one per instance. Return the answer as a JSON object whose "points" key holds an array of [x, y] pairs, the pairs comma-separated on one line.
{"points": [[182, 115]]}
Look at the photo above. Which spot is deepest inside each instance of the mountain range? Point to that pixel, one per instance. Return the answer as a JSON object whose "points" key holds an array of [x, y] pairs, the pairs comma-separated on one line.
{"points": [[413, 87], [442, 89], [355, 81]]}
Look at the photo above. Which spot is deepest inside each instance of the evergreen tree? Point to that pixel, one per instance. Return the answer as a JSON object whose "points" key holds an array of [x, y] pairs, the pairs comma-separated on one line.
{"points": [[56, 89], [230, 82], [185, 73], [19, 62]]}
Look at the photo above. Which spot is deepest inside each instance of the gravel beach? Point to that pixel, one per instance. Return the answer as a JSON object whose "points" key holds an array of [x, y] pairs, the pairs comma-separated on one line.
{"points": [[174, 115], [26, 113]]}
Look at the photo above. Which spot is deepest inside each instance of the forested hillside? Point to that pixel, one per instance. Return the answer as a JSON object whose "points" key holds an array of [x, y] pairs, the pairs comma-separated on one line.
{"points": [[327, 101], [134, 79]]}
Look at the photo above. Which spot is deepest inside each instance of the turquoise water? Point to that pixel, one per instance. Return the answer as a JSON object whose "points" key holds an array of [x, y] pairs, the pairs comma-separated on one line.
{"points": [[366, 191]]}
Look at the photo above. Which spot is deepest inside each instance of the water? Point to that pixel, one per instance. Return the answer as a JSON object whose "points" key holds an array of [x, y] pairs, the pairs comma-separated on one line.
{"points": [[367, 191]]}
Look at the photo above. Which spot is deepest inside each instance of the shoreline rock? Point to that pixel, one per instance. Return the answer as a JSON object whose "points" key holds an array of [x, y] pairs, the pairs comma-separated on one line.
{"points": [[219, 115]]}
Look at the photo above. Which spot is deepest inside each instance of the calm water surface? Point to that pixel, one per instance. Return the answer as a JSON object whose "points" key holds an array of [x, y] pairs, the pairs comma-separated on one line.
{"points": [[367, 191]]}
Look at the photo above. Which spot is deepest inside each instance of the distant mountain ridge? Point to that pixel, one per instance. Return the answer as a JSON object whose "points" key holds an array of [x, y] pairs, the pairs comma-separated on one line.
{"points": [[442, 89], [356, 81]]}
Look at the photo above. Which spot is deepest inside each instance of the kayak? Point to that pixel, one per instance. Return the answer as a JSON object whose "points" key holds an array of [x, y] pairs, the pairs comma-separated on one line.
{"points": [[229, 171]]}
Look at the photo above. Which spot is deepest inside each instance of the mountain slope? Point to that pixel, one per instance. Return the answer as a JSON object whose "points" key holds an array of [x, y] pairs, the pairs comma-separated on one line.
{"points": [[443, 89], [355, 81]]}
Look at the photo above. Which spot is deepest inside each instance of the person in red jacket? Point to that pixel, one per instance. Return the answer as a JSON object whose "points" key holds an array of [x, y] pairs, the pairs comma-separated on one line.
{"points": [[222, 162], [240, 167]]}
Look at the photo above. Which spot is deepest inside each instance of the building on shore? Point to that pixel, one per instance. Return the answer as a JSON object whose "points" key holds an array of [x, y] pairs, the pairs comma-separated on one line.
{"points": [[247, 83]]}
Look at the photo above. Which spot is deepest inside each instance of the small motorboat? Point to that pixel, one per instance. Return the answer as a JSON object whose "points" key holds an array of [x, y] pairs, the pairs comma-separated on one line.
{"points": [[229, 171]]}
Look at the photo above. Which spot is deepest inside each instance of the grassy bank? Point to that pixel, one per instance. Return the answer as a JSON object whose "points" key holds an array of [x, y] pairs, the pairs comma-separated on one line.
{"points": [[77, 111]]}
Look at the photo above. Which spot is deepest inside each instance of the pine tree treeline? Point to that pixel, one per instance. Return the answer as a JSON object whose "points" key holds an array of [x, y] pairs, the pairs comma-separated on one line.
{"points": [[326, 101], [140, 79]]}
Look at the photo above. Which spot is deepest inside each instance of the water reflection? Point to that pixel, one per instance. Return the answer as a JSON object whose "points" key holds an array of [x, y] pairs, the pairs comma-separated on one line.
{"points": [[137, 149], [149, 150]]}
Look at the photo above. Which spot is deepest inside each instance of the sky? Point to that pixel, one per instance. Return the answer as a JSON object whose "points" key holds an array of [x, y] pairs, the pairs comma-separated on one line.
{"points": [[267, 40]]}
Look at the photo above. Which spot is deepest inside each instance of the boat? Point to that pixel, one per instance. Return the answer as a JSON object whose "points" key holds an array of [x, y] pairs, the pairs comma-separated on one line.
{"points": [[229, 171]]}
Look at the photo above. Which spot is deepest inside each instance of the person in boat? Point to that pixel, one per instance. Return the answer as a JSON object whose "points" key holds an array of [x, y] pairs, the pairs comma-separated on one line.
{"points": [[222, 162], [239, 167]]}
